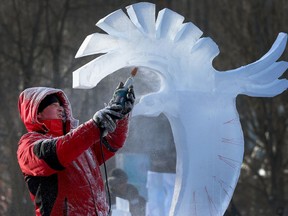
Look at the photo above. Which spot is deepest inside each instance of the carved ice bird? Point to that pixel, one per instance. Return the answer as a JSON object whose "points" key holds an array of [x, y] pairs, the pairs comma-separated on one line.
{"points": [[198, 100]]}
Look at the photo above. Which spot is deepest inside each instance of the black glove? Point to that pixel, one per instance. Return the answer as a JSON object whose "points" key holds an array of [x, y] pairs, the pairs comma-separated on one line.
{"points": [[129, 102], [124, 97], [106, 117]]}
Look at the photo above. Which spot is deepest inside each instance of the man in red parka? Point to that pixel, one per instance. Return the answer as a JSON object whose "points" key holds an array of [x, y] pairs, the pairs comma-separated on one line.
{"points": [[59, 159]]}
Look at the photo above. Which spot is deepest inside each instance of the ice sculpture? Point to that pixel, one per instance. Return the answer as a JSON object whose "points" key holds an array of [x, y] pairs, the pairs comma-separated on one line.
{"points": [[160, 192], [121, 208], [198, 100]]}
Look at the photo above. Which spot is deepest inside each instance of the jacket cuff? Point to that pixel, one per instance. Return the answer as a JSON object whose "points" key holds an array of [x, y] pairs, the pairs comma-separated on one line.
{"points": [[108, 146], [117, 138]]}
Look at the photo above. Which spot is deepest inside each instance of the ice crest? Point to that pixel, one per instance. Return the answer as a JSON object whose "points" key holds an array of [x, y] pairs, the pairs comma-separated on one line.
{"points": [[198, 100]]}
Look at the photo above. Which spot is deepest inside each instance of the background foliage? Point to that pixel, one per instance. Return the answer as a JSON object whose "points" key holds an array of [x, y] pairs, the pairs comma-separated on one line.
{"points": [[39, 40]]}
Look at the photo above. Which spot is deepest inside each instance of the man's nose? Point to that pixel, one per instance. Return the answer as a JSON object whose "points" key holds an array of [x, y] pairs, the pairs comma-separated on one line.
{"points": [[60, 108]]}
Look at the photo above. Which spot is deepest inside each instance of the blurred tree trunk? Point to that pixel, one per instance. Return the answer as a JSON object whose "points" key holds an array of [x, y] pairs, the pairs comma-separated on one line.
{"points": [[19, 55], [25, 52], [55, 21]]}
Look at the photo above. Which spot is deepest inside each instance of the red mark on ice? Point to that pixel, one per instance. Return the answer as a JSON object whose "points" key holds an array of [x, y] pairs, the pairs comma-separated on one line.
{"points": [[232, 141], [224, 186], [232, 121], [230, 162], [194, 203], [212, 206]]}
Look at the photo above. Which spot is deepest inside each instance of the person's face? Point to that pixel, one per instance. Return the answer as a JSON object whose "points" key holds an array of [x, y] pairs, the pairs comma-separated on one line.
{"points": [[53, 111]]}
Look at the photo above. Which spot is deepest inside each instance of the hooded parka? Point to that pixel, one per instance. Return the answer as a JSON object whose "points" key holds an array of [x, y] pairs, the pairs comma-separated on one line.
{"points": [[60, 162]]}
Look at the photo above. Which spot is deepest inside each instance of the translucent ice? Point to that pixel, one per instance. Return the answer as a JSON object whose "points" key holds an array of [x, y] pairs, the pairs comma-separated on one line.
{"points": [[122, 208], [198, 101], [160, 191]]}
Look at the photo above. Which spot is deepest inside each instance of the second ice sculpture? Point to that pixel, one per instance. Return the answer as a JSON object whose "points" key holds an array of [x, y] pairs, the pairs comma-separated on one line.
{"points": [[198, 100]]}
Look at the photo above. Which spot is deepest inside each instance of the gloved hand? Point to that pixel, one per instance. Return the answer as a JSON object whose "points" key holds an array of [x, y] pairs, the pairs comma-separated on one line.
{"points": [[129, 102], [124, 97], [106, 117]]}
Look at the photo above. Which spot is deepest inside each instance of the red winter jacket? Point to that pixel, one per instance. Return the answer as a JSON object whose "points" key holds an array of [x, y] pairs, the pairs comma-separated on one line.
{"points": [[62, 170]]}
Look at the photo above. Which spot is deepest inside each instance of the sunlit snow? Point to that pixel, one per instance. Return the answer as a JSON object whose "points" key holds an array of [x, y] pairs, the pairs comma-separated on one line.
{"points": [[198, 100]]}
